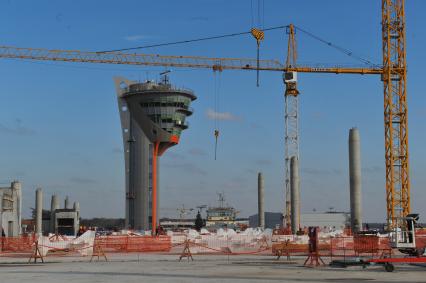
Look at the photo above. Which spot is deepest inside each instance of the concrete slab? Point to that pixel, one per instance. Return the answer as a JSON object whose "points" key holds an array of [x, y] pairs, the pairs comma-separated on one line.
{"points": [[166, 268]]}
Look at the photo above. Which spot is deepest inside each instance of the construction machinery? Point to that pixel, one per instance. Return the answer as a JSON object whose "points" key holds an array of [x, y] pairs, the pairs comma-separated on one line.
{"points": [[404, 238], [393, 73]]}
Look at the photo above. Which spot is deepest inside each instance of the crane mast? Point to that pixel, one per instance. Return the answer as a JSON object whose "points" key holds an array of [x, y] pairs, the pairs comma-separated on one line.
{"points": [[395, 110], [291, 120]]}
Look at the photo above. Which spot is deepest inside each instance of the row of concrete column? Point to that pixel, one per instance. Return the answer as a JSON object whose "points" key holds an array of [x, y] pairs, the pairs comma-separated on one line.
{"points": [[54, 205], [355, 192], [354, 185], [295, 196]]}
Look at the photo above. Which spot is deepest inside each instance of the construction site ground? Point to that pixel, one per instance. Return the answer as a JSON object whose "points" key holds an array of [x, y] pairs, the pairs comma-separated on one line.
{"points": [[167, 268]]}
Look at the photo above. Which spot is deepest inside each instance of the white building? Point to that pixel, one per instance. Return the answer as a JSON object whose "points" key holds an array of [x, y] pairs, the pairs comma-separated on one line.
{"points": [[10, 209], [325, 220], [328, 220]]}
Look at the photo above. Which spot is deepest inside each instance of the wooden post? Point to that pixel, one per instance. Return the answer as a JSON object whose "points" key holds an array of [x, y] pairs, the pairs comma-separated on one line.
{"points": [[36, 254], [98, 252], [186, 251]]}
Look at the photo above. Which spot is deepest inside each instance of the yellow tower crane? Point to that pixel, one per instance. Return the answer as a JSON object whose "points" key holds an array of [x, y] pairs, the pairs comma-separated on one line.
{"points": [[291, 120], [393, 74]]}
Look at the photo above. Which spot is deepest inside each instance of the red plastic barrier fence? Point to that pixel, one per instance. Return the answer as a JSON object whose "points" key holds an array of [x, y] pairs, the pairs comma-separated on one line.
{"points": [[16, 244], [134, 243], [334, 247], [359, 246]]}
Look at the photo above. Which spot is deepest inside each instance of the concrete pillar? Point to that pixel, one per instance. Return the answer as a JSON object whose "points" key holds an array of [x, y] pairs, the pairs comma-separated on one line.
{"points": [[17, 188], [54, 205], [77, 208], [295, 194], [260, 200], [355, 179], [39, 211], [66, 202]]}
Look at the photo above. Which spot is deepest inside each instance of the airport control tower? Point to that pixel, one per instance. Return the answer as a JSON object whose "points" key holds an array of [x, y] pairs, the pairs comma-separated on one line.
{"points": [[152, 119]]}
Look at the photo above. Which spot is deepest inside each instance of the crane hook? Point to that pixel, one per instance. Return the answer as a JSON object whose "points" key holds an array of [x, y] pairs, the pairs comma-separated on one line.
{"points": [[259, 35], [216, 135]]}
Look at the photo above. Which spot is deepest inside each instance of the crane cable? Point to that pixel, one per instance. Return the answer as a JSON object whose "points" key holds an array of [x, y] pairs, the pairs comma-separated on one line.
{"points": [[189, 40], [328, 43], [259, 34], [338, 48], [217, 79], [177, 42]]}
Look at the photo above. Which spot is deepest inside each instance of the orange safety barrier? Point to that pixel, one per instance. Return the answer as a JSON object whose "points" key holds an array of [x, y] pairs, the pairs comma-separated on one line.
{"points": [[359, 246], [16, 244], [421, 239], [204, 249], [134, 243], [333, 247], [214, 244]]}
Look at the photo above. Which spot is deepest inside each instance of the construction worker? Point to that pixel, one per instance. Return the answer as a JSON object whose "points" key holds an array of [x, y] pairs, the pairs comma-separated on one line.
{"points": [[3, 237]]}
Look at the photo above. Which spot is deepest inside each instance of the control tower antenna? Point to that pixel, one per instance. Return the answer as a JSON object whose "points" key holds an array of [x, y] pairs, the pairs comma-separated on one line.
{"points": [[165, 77], [221, 199]]}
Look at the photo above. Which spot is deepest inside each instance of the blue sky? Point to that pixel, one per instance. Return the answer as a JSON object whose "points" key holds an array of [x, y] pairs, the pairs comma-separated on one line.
{"points": [[60, 129]]}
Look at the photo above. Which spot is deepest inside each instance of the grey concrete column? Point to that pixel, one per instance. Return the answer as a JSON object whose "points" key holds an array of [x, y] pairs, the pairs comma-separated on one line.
{"points": [[295, 194], [39, 211], [17, 188], [54, 205], [77, 208], [67, 202], [355, 179], [260, 200]]}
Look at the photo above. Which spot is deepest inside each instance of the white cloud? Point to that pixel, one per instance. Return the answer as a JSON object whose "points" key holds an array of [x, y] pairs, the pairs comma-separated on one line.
{"points": [[135, 37], [223, 116]]}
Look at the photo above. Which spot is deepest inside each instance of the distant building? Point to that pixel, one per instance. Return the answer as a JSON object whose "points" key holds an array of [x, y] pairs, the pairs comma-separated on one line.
{"points": [[177, 224], [57, 220], [10, 209], [63, 221], [181, 224], [67, 221], [221, 215], [331, 219], [272, 219]]}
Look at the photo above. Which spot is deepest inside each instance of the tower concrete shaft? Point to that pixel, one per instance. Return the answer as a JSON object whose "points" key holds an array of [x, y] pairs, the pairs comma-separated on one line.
{"points": [[138, 157], [39, 211], [295, 194], [355, 179], [261, 200]]}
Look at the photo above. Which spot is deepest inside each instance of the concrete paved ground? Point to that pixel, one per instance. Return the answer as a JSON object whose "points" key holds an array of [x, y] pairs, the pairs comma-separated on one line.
{"points": [[209, 269]]}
